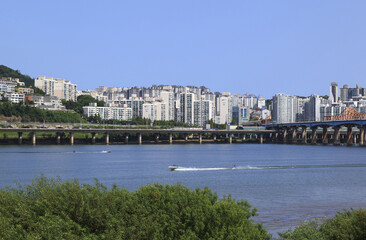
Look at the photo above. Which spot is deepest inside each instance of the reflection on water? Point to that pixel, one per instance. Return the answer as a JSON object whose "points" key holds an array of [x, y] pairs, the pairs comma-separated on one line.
{"points": [[287, 183]]}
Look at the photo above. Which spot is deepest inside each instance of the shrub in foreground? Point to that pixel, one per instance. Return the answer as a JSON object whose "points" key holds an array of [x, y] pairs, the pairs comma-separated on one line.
{"points": [[53, 209], [349, 224]]}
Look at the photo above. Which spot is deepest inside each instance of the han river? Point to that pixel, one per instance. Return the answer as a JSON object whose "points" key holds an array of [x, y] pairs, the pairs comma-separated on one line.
{"points": [[288, 184]]}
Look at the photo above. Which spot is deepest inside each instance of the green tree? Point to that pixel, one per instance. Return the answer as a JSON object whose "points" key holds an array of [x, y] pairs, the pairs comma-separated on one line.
{"points": [[349, 224], [8, 72], [82, 100], [234, 121], [52, 209]]}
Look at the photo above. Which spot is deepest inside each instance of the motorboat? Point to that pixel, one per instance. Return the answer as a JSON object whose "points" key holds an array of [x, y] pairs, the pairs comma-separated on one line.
{"points": [[173, 167], [106, 151]]}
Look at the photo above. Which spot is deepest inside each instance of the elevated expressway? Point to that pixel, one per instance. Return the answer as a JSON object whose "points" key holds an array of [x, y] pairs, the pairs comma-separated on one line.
{"points": [[259, 133]]}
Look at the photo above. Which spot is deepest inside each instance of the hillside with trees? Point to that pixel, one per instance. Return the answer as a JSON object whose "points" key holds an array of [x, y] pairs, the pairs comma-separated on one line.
{"points": [[28, 81], [32, 114], [8, 72]]}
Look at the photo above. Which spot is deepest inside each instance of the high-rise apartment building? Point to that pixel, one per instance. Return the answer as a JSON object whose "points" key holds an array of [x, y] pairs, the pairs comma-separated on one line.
{"points": [[122, 113], [223, 109], [333, 96], [312, 109], [241, 114], [154, 110], [203, 111], [186, 107], [347, 93], [261, 102], [60, 88], [168, 99], [285, 108]]}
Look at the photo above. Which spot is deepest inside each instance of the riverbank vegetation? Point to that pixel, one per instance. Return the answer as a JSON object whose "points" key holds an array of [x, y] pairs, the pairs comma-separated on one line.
{"points": [[52, 209], [49, 208], [349, 224]]}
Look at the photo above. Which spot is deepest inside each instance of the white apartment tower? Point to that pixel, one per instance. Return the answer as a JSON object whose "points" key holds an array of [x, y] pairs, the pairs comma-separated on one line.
{"points": [[108, 113], [186, 107], [60, 88], [168, 99], [285, 108], [333, 96], [152, 110], [312, 109], [223, 109], [203, 111]]}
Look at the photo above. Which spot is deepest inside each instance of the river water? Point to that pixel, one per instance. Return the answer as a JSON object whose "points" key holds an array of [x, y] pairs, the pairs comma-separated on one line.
{"points": [[286, 183]]}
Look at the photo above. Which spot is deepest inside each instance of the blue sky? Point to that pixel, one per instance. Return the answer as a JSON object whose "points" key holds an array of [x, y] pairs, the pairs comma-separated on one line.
{"points": [[261, 47]]}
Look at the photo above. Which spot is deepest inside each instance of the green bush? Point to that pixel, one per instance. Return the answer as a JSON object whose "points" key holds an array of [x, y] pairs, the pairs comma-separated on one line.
{"points": [[52, 209], [349, 224]]}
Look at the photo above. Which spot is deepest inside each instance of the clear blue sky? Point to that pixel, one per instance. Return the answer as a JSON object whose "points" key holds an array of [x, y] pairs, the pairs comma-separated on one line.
{"points": [[262, 47]]}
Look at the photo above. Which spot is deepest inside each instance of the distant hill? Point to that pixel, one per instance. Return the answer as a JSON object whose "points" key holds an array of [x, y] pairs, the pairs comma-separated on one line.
{"points": [[8, 72]]}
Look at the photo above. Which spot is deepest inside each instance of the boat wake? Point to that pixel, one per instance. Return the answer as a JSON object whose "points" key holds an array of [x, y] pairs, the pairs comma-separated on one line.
{"points": [[199, 169], [184, 169]]}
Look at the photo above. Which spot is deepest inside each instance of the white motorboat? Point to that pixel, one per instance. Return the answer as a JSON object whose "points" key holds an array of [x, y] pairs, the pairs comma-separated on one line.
{"points": [[173, 167]]}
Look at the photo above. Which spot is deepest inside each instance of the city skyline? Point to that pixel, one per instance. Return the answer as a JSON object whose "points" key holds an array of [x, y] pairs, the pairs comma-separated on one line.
{"points": [[262, 48]]}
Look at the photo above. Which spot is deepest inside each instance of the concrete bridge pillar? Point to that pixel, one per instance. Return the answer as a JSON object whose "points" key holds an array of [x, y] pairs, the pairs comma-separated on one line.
{"points": [[337, 134], [230, 139], [214, 137], [285, 136], [362, 136], [349, 136], [170, 138], [156, 138], [200, 138], [93, 138], [354, 138], [186, 137], [325, 135], [126, 138], [71, 138], [261, 138], [58, 138], [140, 138], [20, 138], [33, 138], [276, 137], [107, 138], [313, 135], [304, 135], [294, 135]]}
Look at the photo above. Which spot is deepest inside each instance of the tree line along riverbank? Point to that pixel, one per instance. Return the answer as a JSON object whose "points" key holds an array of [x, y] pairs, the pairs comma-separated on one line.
{"points": [[49, 208]]}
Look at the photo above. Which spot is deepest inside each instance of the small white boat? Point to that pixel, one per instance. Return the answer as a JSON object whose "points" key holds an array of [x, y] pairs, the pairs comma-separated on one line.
{"points": [[173, 167], [106, 151]]}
